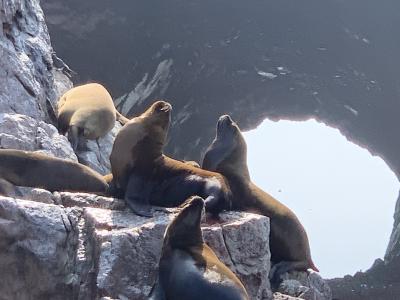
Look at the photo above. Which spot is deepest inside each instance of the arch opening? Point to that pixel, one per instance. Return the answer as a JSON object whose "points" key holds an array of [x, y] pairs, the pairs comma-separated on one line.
{"points": [[343, 196]]}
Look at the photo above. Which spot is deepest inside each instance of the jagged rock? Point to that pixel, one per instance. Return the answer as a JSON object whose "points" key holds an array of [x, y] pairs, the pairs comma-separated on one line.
{"points": [[68, 199], [62, 84], [304, 285], [279, 296], [249, 263], [25, 133], [36, 195], [98, 158], [380, 282], [26, 80], [393, 249], [37, 251]]}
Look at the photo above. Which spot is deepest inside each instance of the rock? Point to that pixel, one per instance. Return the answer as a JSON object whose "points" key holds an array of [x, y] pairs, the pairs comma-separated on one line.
{"points": [[98, 158], [36, 195], [68, 199], [393, 249], [279, 296], [249, 263], [26, 79], [62, 84], [37, 251], [25, 133], [305, 285]]}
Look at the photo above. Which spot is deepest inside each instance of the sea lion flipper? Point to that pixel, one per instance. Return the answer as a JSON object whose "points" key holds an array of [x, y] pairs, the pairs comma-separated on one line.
{"points": [[121, 118], [214, 205], [135, 196], [157, 293], [214, 156], [73, 136], [283, 267]]}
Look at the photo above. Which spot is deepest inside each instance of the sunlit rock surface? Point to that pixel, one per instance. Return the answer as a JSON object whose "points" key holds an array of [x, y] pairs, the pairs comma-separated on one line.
{"points": [[37, 251], [91, 252], [305, 286], [26, 79], [25, 133]]}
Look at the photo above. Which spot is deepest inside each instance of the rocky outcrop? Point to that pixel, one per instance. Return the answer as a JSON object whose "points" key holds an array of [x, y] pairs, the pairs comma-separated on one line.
{"points": [[82, 246], [26, 78], [76, 251], [393, 249], [25, 133], [37, 251], [305, 286]]}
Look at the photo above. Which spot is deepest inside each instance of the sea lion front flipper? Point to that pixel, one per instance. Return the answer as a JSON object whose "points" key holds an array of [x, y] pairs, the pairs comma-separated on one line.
{"points": [[214, 156], [136, 196], [213, 205]]}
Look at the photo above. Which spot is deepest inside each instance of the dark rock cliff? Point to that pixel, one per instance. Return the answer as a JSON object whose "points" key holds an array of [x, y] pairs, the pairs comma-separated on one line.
{"points": [[333, 60]]}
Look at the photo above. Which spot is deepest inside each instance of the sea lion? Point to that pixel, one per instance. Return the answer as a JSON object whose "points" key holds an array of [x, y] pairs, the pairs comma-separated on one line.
{"points": [[23, 168], [87, 111], [188, 268], [147, 176], [290, 249]]}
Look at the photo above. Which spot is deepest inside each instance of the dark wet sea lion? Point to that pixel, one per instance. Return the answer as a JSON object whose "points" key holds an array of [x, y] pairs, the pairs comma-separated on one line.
{"points": [[188, 268], [88, 111], [147, 176], [23, 168], [290, 249]]}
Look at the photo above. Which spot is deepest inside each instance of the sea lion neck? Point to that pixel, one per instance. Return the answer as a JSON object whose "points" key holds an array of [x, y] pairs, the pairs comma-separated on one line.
{"points": [[235, 164]]}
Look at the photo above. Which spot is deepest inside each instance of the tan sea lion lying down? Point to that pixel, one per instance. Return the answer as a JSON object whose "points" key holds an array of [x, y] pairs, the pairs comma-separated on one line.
{"points": [[88, 111], [23, 168]]}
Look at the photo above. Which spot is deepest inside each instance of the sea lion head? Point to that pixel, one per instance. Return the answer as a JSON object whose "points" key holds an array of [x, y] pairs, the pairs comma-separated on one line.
{"points": [[228, 151], [184, 231], [158, 118], [159, 114]]}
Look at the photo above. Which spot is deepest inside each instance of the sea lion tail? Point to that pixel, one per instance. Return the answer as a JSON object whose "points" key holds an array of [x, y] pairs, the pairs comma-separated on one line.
{"points": [[313, 267], [122, 119]]}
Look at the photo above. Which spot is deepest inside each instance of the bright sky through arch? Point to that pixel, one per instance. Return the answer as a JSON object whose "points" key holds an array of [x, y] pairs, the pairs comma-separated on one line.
{"points": [[344, 196]]}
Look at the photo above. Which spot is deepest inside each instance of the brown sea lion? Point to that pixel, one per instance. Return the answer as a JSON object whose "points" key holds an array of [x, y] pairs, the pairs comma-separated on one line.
{"points": [[87, 111], [23, 168], [188, 268], [290, 249], [147, 176]]}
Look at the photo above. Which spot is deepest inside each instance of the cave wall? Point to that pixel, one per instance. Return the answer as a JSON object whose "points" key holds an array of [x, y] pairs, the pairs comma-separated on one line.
{"points": [[332, 60]]}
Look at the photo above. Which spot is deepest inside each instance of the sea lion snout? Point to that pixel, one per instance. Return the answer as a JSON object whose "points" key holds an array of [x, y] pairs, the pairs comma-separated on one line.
{"points": [[193, 203], [196, 202], [225, 120], [162, 106]]}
